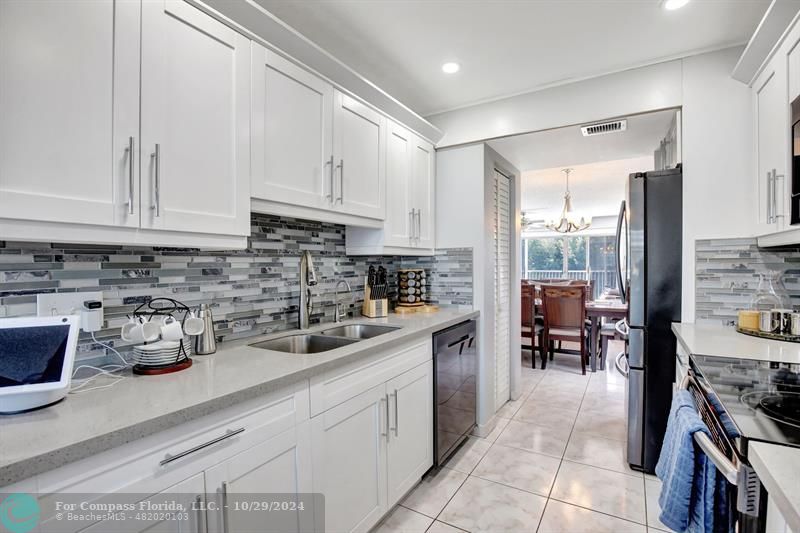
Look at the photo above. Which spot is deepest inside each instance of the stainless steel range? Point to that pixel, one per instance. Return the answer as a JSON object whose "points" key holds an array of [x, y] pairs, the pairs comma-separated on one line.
{"points": [[743, 401]]}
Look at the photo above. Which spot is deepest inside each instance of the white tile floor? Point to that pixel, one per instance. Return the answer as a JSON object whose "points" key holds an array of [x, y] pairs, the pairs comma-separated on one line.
{"points": [[554, 463]]}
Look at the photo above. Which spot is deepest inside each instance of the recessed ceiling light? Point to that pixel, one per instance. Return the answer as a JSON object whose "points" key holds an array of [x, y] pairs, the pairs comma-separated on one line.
{"points": [[451, 68], [672, 5]]}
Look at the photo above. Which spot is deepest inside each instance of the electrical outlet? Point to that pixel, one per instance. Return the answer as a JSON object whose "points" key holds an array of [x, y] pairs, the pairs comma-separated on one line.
{"points": [[64, 303]]}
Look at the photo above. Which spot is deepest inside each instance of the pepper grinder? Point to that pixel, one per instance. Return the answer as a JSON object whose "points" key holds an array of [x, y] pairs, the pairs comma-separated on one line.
{"points": [[206, 342]]}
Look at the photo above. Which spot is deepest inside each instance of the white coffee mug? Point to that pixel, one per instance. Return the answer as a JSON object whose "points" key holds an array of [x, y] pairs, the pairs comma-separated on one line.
{"points": [[193, 325], [140, 329], [171, 329]]}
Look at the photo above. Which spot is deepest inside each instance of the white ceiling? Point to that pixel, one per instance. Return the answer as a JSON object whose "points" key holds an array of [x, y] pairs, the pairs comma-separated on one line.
{"points": [[568, 147], [507, 47], [597, 188]]}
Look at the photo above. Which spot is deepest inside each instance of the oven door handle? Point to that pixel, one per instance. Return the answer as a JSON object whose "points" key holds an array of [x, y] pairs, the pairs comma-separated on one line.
{"points": [[714, 454]]}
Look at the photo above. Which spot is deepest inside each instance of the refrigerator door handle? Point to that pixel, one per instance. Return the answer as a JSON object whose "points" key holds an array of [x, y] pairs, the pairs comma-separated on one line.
{"points": [[620, 279]]}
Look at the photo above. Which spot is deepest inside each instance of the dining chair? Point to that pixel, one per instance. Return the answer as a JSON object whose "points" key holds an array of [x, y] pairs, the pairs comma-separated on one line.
{"points": [[564, 309], [531, 327]]}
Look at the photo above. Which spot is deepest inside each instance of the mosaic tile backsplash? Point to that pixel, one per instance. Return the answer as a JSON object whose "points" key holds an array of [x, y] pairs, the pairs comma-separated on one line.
{"points": [[727, 276], [252, 291]]}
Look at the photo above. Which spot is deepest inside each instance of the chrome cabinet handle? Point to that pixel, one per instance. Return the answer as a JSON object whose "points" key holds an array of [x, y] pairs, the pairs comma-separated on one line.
{"points": [[225, 527], [157, 156], [330, 181], [775, 178], [340, 166], [419, 225], [411, 227], [198, 510], [769, 197], [385, 411], [396, 419], [228, 434], [129, 150]]}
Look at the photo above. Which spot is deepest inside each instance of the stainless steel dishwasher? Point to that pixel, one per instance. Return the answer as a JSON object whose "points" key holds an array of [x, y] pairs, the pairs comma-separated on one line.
{"points": [[455, 365]]}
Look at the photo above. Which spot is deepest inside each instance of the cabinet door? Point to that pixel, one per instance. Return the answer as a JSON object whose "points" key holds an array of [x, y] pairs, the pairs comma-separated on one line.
{"points": [[292, 133], [360, 158], [772, 129], [410, 448], [398, 226], [349, 461], [423, 166], [195, 122], [189, 493], [69, 108], [278, 466]]}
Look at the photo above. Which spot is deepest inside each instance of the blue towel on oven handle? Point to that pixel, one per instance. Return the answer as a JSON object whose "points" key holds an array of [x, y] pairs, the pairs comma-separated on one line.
{"points": [[693, 496]]}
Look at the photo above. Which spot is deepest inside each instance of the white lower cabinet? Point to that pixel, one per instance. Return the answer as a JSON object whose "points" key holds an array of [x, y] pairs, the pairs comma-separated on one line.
{"points": [[410, 448], [189, 493], [280, 465], [370, 450], [349, 461]]}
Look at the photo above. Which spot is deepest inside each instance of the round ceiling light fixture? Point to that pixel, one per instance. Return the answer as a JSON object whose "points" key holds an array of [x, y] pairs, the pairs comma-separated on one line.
{"points": [[451, 67], [672, 5]]}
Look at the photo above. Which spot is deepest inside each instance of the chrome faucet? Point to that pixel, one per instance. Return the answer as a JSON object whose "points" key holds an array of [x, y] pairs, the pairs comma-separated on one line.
{"points": [[308, 278], [339, 312]]}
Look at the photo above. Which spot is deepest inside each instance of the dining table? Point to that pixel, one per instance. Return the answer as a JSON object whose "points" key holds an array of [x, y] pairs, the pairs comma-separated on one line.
{"points": [[612, 309]]}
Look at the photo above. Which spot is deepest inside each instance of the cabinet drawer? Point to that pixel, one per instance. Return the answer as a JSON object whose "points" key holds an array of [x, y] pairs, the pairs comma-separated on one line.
{"points": [[332, 388], [158, 461]]}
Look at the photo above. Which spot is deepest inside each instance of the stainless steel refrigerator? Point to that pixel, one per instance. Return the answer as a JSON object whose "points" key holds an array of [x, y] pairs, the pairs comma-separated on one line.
{"points": [[649, 243]]}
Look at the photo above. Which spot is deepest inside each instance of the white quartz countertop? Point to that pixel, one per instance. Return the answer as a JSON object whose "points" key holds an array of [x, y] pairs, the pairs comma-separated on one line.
{"points": [[778, 468], [89, 423], [720, 341]]}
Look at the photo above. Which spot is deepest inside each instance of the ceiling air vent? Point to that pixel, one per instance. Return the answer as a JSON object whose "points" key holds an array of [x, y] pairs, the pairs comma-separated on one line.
{"points": [[602, 128]]}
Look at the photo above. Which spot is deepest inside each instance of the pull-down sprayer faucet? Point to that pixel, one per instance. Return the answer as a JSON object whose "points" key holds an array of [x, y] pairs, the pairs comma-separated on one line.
{"points": [[308, 278]]}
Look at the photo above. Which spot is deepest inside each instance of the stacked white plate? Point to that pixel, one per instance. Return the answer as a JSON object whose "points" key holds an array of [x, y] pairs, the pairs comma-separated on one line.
{"points": [[159, 353]]}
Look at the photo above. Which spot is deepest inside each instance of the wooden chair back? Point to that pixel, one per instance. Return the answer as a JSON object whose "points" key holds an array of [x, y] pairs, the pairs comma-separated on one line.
{"points": [[587, 283], [528, 292], [564, 306]]}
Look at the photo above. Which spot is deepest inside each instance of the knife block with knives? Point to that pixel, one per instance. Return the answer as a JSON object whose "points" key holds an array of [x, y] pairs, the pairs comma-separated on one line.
{"points": [[376, 294]]}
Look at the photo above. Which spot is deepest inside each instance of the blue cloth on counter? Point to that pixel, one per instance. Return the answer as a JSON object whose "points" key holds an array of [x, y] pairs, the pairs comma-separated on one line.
{"points": [[694, 497]]}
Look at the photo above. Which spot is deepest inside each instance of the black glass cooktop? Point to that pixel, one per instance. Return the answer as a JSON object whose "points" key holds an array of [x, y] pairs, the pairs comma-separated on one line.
{"points": [[761, 398]]}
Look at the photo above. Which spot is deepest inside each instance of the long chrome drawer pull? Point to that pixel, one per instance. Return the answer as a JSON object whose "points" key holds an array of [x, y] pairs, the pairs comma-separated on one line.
{"points": [[396, 415], [228, 434]]}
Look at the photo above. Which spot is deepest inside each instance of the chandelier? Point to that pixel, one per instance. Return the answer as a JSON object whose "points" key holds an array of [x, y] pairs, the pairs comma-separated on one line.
{"points": [[569, 222]]}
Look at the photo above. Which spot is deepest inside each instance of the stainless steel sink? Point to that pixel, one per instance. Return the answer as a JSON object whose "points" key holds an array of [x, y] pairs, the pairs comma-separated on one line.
{"points": [[304, 343], [359, 331]]}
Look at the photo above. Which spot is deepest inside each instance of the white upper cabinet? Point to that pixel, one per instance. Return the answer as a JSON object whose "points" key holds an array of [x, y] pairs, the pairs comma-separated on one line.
{"points": [[69, 108], [423, 164], [195, 149], [399, 216], [360, 158], [410, 199], [292, 121]]}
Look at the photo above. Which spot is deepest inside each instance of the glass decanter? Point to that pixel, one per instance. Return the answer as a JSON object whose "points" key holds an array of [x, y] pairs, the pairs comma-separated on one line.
{"points": [[771, 293]]}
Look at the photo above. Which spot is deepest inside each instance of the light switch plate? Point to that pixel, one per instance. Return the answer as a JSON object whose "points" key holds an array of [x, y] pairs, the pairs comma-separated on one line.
{"points": [[64, 303]]}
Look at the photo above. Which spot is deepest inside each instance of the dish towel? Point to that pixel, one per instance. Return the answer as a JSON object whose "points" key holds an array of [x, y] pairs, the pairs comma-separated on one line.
{"points": [[693, 496]]}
